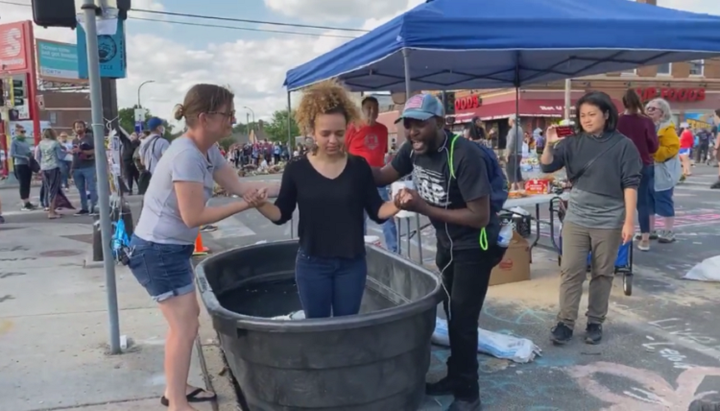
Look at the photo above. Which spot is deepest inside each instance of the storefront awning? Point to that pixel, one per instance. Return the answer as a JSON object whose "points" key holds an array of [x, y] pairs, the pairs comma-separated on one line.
{"points": [[526, 108]]}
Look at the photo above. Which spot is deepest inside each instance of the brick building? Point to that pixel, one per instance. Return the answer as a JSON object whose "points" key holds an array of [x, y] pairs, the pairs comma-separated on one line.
{"points": [[61, 109], [692, 89]]}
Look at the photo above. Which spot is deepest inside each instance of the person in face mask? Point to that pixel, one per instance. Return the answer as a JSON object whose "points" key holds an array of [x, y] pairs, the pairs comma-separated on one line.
{"points": [[151, 149]]}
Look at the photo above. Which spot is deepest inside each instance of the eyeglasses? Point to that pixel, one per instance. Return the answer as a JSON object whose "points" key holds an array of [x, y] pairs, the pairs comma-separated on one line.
{"points": [[651, 109], [230, 114]]}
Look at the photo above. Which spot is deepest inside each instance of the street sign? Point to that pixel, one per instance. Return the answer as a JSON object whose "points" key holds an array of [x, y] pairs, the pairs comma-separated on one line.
{"points": [[140, 114], [138, 126]]}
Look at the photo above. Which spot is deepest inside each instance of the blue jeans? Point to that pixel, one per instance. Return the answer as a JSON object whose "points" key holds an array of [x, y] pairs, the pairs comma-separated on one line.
{"points": [[644, 198], [164, 270], [86, 180], [389, 228], [330, 286], [65, 170]]}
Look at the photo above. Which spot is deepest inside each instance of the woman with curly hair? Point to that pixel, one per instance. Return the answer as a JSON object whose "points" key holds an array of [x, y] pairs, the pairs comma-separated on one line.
{"points": [[332, 189]]}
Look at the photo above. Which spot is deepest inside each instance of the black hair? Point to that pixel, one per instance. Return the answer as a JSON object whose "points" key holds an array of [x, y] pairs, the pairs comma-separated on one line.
{"points": [[602, 101], [367, 99]]}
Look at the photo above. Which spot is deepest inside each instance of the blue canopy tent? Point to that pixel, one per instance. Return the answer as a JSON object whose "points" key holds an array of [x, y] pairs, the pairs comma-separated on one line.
{"points": [[481, 44], [476, 44]]}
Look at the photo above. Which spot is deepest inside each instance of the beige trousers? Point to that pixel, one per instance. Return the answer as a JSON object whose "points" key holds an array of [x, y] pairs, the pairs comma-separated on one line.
{"points": [[577, 241]]}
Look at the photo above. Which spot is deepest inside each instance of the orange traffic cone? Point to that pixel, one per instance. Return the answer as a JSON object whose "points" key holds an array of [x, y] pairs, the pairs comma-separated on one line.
{"points": [[200, 249]]}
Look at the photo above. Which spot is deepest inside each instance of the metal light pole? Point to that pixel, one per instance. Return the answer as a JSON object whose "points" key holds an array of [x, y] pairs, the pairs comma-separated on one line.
{"points": [[140, 88], [250, 110], [101, 165]]}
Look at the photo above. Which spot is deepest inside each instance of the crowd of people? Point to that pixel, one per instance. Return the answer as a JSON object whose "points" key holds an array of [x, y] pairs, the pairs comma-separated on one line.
{"points": [[258, 155], [57, 159]]}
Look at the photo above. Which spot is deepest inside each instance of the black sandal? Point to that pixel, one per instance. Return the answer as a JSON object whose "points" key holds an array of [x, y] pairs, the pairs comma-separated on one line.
{"points": [[192, 397]]}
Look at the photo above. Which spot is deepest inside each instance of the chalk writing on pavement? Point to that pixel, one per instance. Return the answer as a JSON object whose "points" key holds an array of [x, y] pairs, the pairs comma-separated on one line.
{"points": [[681, 329], [647, 391], [677, 359]]}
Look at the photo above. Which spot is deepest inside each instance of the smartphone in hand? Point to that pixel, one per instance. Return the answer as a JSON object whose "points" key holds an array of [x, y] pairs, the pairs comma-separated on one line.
{"points": [[564, 131]]}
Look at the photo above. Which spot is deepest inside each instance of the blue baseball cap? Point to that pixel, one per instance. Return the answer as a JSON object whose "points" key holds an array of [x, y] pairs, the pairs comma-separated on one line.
{"points": [[422, 107], [154, 123]]}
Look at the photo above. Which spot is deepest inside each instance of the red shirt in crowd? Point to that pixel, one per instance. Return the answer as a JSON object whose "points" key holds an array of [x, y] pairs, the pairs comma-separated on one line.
{"points": [[686, 139], [369, 142], [641, 130]]}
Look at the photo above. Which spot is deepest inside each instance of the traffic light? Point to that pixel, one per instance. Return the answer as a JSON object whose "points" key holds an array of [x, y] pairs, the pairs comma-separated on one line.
{"points": [[62, 13], [17, 93], [2, 93]]}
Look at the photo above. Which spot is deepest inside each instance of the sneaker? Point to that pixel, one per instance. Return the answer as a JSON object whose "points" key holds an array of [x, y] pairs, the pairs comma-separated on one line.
{"points": [[561, 334], [82, 212], [593, 333], [28, 207], [2, 220], [445, 386], [666, 237], [644, 245], [208, 228], [715, 185], [653, 235], [461, 404]]}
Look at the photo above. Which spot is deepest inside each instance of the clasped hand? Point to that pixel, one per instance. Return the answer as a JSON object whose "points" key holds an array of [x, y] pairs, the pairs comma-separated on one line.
{"points": [[256, 198], [410, 200]]}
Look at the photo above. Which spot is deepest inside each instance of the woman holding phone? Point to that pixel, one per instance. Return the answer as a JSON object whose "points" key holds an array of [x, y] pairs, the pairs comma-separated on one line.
{"points": [[605, 169]]}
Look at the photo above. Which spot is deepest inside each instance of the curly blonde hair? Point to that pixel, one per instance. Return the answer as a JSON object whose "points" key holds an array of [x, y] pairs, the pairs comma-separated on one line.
{"points": [[327, 97]]}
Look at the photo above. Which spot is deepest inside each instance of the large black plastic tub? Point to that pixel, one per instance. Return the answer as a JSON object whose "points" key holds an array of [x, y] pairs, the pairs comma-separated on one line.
{"points": [[375, 361]]}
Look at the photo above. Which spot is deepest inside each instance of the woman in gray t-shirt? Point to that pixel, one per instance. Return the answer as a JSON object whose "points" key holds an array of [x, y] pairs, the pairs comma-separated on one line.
{"points": [[174, 206]]}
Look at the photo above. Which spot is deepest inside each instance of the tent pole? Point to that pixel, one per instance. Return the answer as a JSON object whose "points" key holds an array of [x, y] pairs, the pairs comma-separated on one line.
{"points": [[568, 91], [290, 149], [518, 155], [408, 80]]}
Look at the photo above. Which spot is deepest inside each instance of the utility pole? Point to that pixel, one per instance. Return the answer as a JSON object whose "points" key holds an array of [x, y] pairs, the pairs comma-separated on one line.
{"points": [[101, 164]]}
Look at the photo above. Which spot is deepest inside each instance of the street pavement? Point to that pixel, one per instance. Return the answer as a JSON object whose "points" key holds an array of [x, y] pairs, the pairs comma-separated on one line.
{"points": [[662, 344], [661, 347], [54, 322]]}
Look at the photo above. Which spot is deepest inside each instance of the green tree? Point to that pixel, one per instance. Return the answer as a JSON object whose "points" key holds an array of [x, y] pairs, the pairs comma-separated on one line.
{"points": [[126, 117], [277, 128]]}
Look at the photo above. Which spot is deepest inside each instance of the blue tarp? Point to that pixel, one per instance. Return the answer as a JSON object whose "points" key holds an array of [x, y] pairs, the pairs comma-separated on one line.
{"points": [[480, 44]]}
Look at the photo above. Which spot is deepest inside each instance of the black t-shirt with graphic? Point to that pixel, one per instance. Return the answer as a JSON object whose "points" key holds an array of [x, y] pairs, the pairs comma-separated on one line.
{"points": [[432, 180]]}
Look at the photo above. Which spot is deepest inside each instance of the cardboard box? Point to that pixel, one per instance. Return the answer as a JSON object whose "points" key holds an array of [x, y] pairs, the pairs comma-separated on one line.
{"points": [[515, 265]]}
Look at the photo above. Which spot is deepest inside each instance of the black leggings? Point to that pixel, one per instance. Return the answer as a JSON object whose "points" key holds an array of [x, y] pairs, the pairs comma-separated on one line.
{"points": [[131, 173], [24, 176]]}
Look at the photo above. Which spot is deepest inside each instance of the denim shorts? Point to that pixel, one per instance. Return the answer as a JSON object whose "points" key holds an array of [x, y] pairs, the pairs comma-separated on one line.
{"points": [[684, 152], [661, 203], [163, 269]]}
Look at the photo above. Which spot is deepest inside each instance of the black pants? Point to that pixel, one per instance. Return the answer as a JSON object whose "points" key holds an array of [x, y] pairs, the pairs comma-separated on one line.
{"points": [[512, 168], [466, 279], [24, 177], [131, 173], [701, 153], [143, 182]]}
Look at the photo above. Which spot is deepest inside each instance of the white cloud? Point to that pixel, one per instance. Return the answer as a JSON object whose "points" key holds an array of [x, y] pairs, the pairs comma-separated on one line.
{"points": [[255, 70], [335, 10], [695, 6]]}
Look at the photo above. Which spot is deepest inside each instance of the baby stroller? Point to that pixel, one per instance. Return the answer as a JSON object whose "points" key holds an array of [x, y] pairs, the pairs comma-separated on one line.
{"points": [[623, 262]]}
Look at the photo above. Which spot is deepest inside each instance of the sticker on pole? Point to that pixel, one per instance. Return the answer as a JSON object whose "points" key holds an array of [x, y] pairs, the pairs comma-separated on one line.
{"points": [[138, 126]]}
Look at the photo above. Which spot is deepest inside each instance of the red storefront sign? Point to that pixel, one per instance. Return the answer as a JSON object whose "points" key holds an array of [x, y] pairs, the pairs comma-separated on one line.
{"points": [[672, 94], [13, 47], [468, 102]]}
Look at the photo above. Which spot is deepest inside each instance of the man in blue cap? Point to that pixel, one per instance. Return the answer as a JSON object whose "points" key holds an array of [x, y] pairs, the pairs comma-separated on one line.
{"points": [[460, 186], [152, 148]]}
